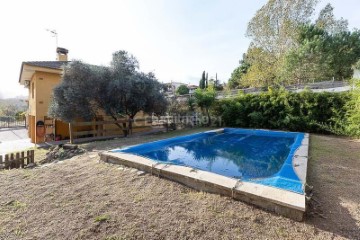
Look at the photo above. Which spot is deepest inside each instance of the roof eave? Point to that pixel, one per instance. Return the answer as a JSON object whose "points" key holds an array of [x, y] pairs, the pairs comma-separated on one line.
{"points": [[32, 69]]}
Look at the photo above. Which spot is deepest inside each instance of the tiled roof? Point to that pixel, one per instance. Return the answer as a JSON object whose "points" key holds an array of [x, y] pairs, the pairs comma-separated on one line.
{"points": [[47, 64]]}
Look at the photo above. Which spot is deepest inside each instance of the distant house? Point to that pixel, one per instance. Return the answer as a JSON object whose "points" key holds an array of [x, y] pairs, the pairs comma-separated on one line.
{"points": [[171, 88], [192, 88], [40, 77]]}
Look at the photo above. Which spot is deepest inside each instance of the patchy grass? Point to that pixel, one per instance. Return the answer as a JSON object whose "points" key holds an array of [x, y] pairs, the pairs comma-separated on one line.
{"points": [[39, 153], [16, 204], [102, 218], [68, 200]]}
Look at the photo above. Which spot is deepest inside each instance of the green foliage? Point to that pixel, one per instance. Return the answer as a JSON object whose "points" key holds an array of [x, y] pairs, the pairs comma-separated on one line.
{"points": [[280, 109], [311, 60], [202, 83], [191, 103], [287, 48], [275, 25], [206, 80], [177, 107], [262, 70], [205, 98], [12, 106], [357, 65], [326, 20], [218, 86], [238, 73], [345, 52], [322, 56], [182, 89], [119, 90], [352, 126]]}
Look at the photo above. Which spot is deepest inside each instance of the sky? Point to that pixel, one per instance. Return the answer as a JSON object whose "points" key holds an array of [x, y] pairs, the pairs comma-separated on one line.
{"points": [[175, 39]]}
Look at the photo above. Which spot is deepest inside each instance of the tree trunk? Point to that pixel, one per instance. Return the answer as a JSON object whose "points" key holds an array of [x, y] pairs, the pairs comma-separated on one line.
{"points": [[208, 115], [131, 120], [117, 124]]}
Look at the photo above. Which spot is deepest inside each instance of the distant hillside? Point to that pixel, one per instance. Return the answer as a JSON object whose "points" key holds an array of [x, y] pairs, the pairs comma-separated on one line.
{"points": [[10, 106]]}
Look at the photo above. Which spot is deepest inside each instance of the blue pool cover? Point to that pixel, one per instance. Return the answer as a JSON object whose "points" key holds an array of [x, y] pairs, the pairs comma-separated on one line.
{"points": [[259, 156]]}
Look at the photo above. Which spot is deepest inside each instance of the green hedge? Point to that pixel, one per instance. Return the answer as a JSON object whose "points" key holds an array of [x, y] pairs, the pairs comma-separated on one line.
{"points": [[352, 124], [306, 111]]}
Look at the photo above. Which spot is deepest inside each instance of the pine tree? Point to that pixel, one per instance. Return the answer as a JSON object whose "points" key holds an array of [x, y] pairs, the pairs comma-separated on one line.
{"points": [[206, 81], [202, 81]]}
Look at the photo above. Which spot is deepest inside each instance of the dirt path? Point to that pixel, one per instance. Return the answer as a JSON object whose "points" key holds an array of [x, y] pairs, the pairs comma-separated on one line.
{"points": [[81, 198]]}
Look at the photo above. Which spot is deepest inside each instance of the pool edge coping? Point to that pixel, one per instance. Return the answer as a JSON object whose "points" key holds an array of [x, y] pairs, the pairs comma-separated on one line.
{"points": [[283, 202]]}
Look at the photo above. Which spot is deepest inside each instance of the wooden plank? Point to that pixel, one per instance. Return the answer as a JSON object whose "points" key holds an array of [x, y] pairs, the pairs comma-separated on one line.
{"points": [[82, 133], [32, 156], [12, 160], [27, 157], [97, 132], [71, 133], [22, 159], [7, 163], [17, 160], [81, 124]]}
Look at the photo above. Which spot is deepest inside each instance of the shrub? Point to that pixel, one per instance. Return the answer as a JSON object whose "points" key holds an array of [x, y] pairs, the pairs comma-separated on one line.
{"points": [[352, 125], [279, 109], [182, 89]]}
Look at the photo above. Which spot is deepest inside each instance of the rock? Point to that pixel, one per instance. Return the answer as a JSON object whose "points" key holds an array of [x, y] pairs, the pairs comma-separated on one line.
{"points": [[141, 173], [30, 165], [62, 152]]}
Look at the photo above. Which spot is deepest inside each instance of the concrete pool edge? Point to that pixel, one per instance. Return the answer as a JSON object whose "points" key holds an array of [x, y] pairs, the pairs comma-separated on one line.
{"points": [[283, 202]]}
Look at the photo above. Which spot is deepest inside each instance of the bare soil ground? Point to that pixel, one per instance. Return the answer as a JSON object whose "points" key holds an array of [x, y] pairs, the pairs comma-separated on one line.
{"points": [[82, 198]]}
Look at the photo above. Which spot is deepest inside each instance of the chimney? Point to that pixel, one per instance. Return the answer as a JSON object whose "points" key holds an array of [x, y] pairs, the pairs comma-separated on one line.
{"points": [[62, 54]]}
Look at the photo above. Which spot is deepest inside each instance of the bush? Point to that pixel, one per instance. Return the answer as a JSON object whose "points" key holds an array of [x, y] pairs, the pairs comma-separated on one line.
{"points": [[182, 89], [280, 109], [352, 125]]}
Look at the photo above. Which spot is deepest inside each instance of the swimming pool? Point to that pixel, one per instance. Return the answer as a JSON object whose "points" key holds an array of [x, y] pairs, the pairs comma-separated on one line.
{"points": [[260, 156], [273, 159]]}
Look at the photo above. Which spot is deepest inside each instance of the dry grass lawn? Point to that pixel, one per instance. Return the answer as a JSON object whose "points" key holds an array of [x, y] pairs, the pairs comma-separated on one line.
{"points": [[82, 198]]}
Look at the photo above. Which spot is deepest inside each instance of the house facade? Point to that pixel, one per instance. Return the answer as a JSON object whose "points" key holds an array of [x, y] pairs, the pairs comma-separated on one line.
{"points": [[40, 77]]}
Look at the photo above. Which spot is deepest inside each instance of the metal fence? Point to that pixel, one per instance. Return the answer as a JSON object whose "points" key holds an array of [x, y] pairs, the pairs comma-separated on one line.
{"points": [[12, 121]]}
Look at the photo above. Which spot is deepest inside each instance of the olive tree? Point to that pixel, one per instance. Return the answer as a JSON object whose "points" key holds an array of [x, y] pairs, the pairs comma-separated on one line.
{"points": [[120, 90]]}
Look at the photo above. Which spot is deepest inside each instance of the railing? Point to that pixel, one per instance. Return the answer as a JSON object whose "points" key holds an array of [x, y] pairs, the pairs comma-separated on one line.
{"points": [[99, 131], [12, 121], [17, 160]]}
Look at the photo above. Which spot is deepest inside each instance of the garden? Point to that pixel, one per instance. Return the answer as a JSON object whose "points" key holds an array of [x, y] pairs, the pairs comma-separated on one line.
{"points": [[72, 194]]}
